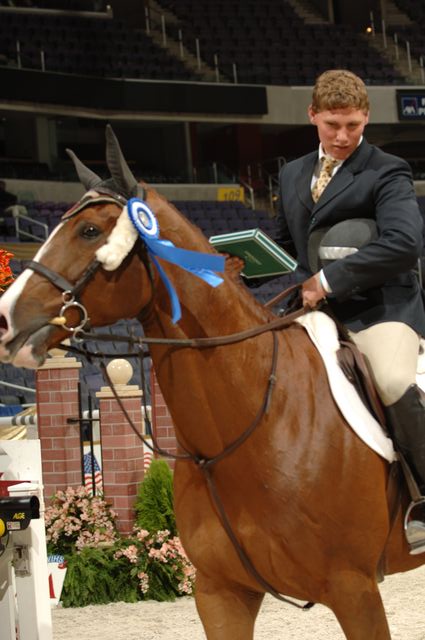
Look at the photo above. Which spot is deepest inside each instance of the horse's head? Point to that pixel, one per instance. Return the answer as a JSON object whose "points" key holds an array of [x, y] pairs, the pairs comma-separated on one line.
{"points": [[93, 242]]}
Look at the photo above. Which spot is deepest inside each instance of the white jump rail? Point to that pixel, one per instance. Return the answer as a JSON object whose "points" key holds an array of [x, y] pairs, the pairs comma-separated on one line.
{"points": [[25, 609]]}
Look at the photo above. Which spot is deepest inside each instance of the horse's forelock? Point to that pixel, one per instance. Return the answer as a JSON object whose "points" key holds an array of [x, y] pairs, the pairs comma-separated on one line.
{"points": [[119, 243]]}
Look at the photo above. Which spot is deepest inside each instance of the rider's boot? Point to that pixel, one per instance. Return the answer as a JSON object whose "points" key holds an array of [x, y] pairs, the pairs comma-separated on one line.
{"points": [[406, 419]]}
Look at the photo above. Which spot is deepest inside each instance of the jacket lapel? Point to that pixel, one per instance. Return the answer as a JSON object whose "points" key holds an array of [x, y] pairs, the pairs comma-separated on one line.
{"points": [[342, 179], [344, 176], [303, 180]]}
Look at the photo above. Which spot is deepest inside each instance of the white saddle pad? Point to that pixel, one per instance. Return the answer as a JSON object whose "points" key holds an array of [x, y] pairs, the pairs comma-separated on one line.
{"points": [[323, 333]]}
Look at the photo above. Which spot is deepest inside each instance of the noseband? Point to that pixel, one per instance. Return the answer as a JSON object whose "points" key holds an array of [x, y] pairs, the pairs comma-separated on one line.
{"points": [[69, 292]]}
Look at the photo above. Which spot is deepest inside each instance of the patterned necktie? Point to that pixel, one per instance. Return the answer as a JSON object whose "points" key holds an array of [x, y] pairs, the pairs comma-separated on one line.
{"points": [[325, 176]]}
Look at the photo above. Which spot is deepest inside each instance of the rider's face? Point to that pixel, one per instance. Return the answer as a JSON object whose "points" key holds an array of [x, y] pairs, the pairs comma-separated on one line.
{"points": [[339, 130]]}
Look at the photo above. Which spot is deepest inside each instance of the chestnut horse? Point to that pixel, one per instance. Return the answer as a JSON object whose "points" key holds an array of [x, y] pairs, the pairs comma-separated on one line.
{"points": [[305, 497]]}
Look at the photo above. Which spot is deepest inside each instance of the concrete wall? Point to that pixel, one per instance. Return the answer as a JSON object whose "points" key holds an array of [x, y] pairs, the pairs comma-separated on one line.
{"points": [[71, 192], [288, 105]]}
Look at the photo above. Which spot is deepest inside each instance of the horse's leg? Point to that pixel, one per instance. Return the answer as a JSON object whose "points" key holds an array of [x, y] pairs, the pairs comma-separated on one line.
{"points": [[357, 604], [227, 613]]}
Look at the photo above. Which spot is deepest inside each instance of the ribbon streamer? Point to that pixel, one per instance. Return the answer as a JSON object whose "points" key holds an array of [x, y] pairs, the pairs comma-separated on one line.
{"points": [[202, 265]]}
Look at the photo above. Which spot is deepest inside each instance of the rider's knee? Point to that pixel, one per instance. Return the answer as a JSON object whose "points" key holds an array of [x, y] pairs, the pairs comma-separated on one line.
{"points": [[393, 388]]}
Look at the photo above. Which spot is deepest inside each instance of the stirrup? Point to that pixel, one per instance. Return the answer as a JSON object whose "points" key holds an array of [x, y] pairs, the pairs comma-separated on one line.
{"points": [[414, 529]]}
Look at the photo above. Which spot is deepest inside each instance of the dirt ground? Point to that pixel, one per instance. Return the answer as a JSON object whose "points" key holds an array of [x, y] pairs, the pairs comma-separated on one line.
{"points": [[403, 596]]}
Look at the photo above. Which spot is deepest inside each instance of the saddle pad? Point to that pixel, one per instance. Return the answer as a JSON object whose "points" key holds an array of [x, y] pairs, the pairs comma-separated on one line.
{"points": [[323, 333]]}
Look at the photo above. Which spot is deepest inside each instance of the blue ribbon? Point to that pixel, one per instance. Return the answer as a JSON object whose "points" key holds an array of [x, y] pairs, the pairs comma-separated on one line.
{"points": [[202, 265]]}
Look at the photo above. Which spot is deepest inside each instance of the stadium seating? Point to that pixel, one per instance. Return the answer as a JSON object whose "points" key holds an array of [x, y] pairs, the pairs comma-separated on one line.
{"points": [[267, 42], [86, 46], [270, 44]]}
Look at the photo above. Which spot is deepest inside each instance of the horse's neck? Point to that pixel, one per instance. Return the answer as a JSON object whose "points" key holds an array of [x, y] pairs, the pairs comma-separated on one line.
{"points": [[200, 386], [228, 308]]}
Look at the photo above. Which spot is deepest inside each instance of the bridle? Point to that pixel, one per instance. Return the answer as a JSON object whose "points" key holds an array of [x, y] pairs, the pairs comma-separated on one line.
{"points": [[71, 292]]}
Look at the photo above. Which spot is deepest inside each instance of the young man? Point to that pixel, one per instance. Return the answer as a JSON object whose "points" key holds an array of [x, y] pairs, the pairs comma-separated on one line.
{"points": [[373, 291]]}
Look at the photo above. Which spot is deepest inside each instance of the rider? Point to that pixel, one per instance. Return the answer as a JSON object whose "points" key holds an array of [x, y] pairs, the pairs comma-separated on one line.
{"points": [[373, 291]]}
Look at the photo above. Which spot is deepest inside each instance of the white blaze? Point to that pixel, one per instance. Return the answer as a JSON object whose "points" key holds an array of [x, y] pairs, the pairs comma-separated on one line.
{"points": [[9, 298]]}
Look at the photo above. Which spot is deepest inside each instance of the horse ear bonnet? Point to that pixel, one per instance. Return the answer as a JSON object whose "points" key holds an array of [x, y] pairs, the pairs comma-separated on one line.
{"points": [[343, 239], [121, 183], [121, 174]]}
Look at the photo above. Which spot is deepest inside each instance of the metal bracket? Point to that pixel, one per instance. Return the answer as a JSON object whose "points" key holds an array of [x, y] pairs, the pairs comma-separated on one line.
{"points": [[21, 560]]}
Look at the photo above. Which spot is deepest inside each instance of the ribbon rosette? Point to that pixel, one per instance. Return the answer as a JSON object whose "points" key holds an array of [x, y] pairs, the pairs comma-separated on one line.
{"points": [[202, 265]]}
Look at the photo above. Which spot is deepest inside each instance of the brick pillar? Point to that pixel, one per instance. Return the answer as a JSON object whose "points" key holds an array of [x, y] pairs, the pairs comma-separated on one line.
{"points": [[122, 450], [57, 400], [162, 423]]}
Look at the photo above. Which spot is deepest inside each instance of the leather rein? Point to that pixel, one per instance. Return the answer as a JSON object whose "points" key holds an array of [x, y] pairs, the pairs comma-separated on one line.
{"points": [[70, 294]]}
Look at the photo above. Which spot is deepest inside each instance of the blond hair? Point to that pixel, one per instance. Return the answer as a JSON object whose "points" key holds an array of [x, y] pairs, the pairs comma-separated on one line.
{"points": [[339, 89]]}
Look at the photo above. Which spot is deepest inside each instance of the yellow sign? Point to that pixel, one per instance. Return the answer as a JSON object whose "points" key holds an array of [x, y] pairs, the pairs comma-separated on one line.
{"points": [[2, 528], [231, 194]]}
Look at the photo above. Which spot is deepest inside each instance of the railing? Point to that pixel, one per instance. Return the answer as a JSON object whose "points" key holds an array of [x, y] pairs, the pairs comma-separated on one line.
{"points": [[398, 45], [170, 28], [264, 178], [18, 387], [17, 212], [251, 195]]}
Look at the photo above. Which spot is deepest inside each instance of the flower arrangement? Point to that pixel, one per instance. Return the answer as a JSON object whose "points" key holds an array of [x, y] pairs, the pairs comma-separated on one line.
{"points": [[159, 562], [76, 519], [6, 276], [104, 566]]}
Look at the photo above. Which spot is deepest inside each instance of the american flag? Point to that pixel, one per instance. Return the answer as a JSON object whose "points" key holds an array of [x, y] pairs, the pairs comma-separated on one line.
{"points": [[91, 465], [147, 457]]}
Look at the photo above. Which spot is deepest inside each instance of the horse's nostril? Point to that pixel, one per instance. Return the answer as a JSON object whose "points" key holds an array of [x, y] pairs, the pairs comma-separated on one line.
{"points": [[3, 325]]}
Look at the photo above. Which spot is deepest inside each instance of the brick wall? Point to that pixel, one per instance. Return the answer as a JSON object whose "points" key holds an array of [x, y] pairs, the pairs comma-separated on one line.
{"points": [[122, 452], [57, 400], [162, 423]]}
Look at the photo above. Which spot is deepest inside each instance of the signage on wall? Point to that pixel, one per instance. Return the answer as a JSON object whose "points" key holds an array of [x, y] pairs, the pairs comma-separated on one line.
{"points": [[231, 193], [411, 104]]}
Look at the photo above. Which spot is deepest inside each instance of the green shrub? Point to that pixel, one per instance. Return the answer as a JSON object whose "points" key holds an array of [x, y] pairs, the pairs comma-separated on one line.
{"points": [[141, 567], [94, 576], [154, 503]]}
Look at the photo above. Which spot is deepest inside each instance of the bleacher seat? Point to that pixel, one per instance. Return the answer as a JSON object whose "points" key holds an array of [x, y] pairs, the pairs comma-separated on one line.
{"points": [[82, 45], [270, 43]]}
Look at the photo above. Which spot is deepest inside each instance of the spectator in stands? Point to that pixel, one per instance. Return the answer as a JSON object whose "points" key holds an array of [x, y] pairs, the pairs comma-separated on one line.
{"points": [[373, 291], [6, 199]]}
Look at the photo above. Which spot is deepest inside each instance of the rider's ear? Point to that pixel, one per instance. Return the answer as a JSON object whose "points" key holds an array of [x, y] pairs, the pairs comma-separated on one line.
{"points": [[117, 165]]}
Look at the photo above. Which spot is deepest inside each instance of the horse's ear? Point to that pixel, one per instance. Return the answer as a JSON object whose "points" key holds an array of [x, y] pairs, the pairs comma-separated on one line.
{"points": [[87, 177], [120, 171]]}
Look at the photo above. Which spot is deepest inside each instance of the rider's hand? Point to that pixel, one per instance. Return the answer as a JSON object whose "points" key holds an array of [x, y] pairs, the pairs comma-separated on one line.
{"points": [[234, 265], [312, 291]]}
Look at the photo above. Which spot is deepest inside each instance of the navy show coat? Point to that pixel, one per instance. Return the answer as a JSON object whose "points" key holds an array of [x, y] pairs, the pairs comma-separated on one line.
{"points": [[375, 284]]}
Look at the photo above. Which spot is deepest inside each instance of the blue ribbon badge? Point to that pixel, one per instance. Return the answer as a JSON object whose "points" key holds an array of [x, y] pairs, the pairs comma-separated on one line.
{"points": [[202, 265]]}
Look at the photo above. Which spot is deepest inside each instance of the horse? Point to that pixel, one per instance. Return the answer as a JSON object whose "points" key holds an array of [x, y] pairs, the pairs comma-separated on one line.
{"points": [[305, 498]]}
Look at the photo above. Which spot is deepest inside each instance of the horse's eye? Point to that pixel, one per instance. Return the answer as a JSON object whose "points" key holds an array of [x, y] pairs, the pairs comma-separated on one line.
{"points": [[90, 232]]}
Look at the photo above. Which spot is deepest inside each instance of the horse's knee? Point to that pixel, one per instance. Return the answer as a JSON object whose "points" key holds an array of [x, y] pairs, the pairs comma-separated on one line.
{"points": [[226, 612]]}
